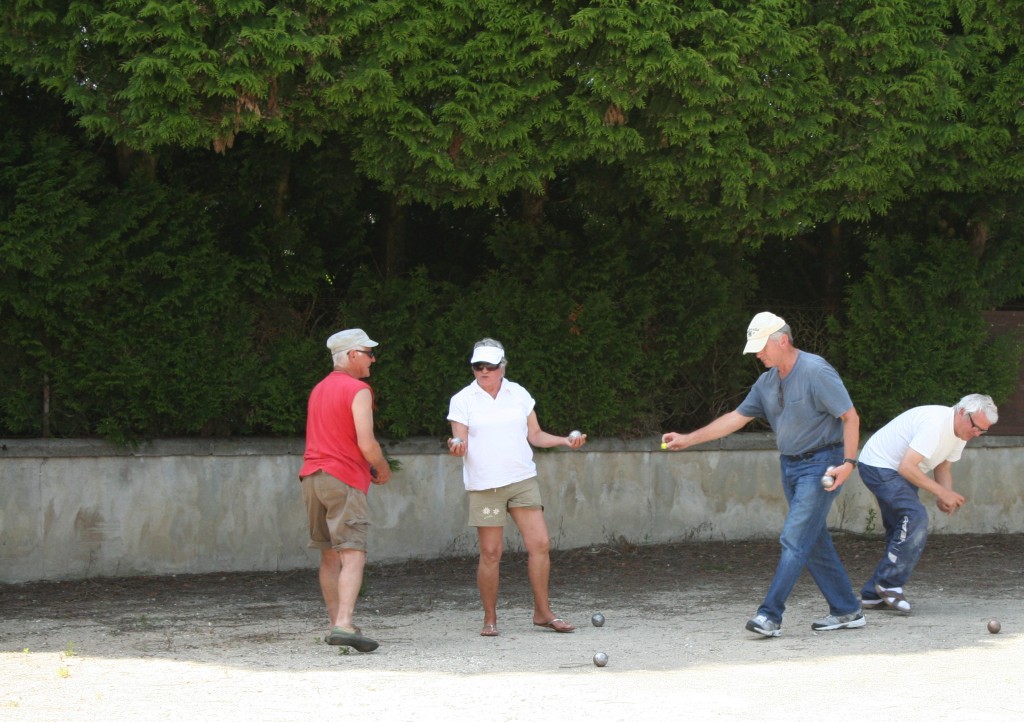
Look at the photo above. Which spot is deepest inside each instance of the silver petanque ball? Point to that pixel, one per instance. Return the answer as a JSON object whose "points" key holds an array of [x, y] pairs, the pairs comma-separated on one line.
{"points": [[575, 434], [994, 626], [456, 441], [597, 620], [827, 480], [600, 659]]}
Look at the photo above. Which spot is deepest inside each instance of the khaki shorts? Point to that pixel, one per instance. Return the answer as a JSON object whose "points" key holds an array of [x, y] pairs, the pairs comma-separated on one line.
{"points": [[490, 507], [337, 513]]}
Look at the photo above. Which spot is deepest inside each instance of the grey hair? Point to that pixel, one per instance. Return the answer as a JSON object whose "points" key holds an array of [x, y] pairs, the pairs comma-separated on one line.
{"points": [[340, 359], [973, 403], [784, 331], [495, 344]]}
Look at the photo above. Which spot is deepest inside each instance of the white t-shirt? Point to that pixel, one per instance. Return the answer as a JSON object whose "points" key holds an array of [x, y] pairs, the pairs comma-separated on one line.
{"points": [[928, 430], [498, 453]]}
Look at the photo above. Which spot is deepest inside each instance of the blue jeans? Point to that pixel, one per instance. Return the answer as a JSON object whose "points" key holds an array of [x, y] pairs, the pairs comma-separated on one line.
{"points": [[906, 527], [806, 541]]}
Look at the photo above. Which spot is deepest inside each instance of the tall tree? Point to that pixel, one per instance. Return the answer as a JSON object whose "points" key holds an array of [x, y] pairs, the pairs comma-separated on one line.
{"points": [[745, 118]]}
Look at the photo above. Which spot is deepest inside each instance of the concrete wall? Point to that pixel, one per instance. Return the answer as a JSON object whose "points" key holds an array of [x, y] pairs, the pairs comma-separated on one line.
{"points": [[71, 509]]}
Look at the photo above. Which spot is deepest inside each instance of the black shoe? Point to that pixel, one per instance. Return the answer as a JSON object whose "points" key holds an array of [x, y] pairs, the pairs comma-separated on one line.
{"points": [[341, 638]]}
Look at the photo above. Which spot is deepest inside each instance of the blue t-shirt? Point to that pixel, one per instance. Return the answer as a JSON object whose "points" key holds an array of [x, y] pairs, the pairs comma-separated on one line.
{"points": [[803, 409]]}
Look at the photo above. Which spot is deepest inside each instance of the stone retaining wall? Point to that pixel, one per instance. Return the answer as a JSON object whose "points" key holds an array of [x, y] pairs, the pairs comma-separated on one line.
{"points": [[71, 509]]}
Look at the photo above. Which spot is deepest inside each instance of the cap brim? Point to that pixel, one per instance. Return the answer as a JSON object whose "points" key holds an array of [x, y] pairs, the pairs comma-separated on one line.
{"points": [[487, 354], [755, 345]]}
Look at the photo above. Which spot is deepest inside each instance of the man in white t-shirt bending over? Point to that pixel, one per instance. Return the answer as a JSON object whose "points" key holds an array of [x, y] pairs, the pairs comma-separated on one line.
{"points": [[894, 464]]}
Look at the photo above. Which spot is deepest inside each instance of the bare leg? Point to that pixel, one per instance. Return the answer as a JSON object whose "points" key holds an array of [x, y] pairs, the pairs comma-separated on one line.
{"points": [[534, 531], [341, 578], [491, 540]]}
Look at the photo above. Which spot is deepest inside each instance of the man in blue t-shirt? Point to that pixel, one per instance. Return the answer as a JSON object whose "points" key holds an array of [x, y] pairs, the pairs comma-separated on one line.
{"points": [[817, 431]]}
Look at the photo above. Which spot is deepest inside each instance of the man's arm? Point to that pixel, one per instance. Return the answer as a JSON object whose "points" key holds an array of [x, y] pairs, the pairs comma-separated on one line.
{"points": [[722, 426], [851, 443], [949, 500], [944, 477], [943, 474], [362, 416]]}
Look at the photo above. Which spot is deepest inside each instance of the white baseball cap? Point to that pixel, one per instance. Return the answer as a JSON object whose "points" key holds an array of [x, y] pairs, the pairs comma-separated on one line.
{"points": [[761, 327], [348, 339]]}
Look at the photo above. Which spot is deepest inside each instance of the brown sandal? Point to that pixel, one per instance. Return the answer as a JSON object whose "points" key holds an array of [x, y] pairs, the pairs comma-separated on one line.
{"points": [[893, 599]]}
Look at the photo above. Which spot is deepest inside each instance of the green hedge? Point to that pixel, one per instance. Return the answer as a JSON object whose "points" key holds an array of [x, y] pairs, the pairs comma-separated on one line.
{"points": [[185, 306], [602, 344], [610, 340], [915, 332]]}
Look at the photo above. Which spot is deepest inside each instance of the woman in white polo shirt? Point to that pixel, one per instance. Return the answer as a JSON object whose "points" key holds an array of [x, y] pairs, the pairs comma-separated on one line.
{"points": [[493, 427]]}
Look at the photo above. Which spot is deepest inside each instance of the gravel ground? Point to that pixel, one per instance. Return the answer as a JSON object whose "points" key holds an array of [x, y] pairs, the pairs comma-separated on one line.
{"points": [[220, 646]]}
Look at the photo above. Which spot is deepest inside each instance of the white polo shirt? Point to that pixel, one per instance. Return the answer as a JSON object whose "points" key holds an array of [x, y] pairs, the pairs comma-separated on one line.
{"points": [[498, 452]]}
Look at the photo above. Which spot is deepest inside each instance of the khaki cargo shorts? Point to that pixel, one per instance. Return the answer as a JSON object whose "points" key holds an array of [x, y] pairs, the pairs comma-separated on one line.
{"points": [[337, 513]]}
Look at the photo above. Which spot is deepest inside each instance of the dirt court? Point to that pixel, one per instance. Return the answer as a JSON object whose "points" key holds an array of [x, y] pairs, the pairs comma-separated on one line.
{"points": [[228, 646]]}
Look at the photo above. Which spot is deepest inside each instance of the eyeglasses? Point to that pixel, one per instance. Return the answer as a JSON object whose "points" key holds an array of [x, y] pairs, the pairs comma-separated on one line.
{"points": [[371, 354], [481, 366], [782, 401], [977, 428]]}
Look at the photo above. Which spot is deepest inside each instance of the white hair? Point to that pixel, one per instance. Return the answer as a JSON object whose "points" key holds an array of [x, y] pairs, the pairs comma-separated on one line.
{"points": [[973, 403]]}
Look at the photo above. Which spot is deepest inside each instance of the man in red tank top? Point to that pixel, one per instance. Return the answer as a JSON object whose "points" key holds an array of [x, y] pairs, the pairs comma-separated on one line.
{"points": [[342, 458]]}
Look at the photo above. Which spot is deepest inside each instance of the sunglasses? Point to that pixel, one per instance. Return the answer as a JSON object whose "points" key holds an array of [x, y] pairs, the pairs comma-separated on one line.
{"points": [[371, 354], [481, 366], [977, 428]]}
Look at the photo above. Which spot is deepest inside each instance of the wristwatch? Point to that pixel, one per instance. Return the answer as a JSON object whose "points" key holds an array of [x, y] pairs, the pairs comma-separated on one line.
{"points": [[851, 462]]}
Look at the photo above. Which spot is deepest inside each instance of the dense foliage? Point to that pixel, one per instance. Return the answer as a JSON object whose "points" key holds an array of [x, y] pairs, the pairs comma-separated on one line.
{"points": [[194, 195]]}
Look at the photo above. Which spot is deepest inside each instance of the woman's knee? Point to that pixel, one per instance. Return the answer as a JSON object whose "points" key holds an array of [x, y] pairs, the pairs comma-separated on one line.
{"points": [[491, 553], [538, 545]]}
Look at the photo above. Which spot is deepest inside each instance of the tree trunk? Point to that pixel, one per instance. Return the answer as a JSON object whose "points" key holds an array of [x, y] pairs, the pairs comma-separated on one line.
{"points": [[45, 426], [282, 189], [395, 238], [533, 206], [832, 269], [979, 238], [129, 160]]}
